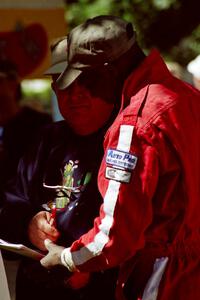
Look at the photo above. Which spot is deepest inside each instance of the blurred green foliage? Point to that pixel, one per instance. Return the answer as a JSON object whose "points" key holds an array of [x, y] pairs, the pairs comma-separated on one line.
{"points": [[37, 94], [172, 26]]}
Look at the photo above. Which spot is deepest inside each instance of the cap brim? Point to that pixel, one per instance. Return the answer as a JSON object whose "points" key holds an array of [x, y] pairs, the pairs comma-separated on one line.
{"points": [[67, 77], [57, 68]]}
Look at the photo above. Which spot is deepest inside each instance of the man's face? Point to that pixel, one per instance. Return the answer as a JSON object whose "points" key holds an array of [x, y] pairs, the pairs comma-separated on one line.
{"points": [[84, 108]]}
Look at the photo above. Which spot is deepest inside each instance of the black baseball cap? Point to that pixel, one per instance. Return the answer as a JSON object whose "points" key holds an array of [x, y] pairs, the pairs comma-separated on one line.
{"points": [[95, 43]]}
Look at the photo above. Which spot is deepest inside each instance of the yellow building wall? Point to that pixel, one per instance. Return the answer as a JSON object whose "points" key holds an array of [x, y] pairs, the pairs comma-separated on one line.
{"points": [[52, 19]]}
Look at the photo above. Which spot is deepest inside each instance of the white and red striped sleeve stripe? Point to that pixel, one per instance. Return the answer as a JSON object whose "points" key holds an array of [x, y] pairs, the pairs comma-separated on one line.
{"points": [[100, 238]]}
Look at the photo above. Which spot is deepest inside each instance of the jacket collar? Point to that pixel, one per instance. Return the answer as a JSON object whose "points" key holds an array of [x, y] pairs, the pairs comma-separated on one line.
{"points": [[151, 70]]}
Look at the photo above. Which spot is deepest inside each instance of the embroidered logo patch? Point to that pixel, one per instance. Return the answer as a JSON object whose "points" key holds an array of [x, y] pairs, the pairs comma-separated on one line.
{"points": [[120, 159], [118, 175], [72, 184]]}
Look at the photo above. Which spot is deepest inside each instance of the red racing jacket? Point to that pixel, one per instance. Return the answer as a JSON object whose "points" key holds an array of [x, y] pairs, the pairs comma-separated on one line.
{"points": [[149, 179]]}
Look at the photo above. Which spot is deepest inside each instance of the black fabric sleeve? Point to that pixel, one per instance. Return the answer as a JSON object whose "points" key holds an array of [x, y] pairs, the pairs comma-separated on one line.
{"points": [[19, 197]]}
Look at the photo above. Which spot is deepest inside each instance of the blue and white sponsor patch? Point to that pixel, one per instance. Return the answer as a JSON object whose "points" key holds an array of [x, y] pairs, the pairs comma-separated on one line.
{"points": [[121, 159]]}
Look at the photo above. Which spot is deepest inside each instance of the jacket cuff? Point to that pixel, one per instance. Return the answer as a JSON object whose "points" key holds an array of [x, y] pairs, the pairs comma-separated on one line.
{"points": [[67, 261]]}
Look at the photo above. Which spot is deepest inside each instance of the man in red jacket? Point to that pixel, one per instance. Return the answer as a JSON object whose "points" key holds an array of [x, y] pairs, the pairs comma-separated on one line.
{"points": [[149, 177]]}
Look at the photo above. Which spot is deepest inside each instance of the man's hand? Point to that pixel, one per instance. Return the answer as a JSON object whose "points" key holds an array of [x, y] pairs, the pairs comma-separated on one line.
{"points": [[40, 229], [53, 258], [74, 280]]}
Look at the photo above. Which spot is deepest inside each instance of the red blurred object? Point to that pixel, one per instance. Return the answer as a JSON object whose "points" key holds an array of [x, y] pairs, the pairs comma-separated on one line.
{"points": [[25, 47], [78, 280]]}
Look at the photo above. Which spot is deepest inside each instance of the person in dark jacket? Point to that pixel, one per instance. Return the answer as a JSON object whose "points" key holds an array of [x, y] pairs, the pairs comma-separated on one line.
{"points": [[19, 125], [59, 175]]}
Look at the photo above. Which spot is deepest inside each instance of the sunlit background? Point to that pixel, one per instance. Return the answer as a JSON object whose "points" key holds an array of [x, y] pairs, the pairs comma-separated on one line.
{"points": [[172, 26]]}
